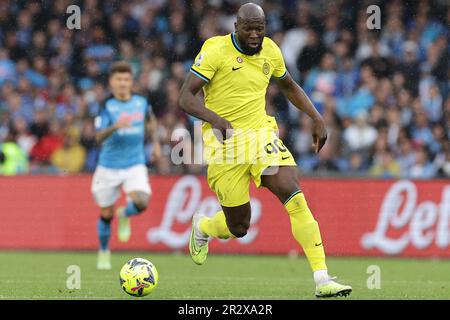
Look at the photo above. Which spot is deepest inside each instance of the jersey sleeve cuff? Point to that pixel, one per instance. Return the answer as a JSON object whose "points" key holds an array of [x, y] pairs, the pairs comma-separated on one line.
{"points": [[198, 74], [283, 75]]}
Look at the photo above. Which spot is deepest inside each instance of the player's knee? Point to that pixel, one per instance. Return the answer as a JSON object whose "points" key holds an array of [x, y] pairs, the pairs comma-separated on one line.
{"points": [[286, 192], [141, 201], [239, 230], [107, 214], [288, 188], [140, 204], [106, 219]]}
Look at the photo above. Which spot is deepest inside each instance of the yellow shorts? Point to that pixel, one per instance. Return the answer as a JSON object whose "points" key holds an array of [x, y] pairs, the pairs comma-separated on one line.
{"points": [[230, 180]]}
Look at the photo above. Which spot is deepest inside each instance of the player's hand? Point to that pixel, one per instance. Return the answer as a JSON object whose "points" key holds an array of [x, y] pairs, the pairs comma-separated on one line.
{"points": [[319, 134], [222, 128], [122, 123]]}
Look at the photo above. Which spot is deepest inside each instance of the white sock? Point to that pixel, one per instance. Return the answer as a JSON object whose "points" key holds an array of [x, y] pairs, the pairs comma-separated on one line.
{"points": [[321, 277]]}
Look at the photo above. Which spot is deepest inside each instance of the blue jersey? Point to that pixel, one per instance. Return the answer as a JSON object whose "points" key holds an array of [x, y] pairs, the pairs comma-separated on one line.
{"points": [[125, 147]]}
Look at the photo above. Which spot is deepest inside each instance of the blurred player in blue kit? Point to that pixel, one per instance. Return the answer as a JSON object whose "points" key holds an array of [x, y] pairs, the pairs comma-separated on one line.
{"points": [[122, 124]]}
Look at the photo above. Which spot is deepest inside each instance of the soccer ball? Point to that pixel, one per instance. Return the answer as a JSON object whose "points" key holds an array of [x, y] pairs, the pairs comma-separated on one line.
{"points": [[138, 277]]}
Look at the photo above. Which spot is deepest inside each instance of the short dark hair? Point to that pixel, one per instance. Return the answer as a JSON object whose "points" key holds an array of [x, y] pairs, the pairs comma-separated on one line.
{"points": [[120, 66]]}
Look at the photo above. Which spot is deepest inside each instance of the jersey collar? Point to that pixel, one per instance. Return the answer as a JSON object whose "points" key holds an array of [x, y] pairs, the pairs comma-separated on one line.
{"points": [[235, 43]]}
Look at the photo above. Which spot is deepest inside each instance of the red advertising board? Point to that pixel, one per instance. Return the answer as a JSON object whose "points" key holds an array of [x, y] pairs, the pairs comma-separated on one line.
{"points": [[357, 217]]}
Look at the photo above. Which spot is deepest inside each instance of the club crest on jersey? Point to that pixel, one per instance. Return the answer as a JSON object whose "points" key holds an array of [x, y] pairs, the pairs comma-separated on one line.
{"points": [[199, 60], [266, 68], [239, 60]]}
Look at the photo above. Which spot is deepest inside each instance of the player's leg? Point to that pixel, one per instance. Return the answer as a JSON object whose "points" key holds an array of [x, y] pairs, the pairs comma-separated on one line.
{"points": [[305, 229], [137, 202], [238, 219], [104, 234], [231, 185], [137, 188], [230, 222], [227, 223], [105, 189]]}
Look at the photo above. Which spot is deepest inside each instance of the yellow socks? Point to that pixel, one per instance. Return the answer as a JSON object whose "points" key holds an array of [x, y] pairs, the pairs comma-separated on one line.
{"points": [[306, 230], [215, 226]]}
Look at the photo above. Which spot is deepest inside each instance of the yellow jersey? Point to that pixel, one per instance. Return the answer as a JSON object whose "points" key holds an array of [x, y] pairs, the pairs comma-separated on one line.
{"points": [[236, 83]]}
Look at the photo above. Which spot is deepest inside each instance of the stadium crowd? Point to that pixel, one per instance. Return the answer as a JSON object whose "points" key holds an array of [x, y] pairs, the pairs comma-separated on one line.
{"points": [[384, 94]]}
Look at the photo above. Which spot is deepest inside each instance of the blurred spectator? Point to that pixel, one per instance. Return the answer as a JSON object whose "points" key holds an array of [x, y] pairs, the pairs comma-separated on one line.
{"points": [[71, 156], [444, 170], [375, 55], [39, 125], [363, 98], [357, 164], [321, 80], [7, 67], [385, 166], [432, 103], [43, 150], [421, 132], [422, 167], [302, 137], [327, 160], [87, 141], [360, 136], [295, 38], [347, 78], [409, 65], [25, 140], [13, 159], [312, 52], [405, 155]]}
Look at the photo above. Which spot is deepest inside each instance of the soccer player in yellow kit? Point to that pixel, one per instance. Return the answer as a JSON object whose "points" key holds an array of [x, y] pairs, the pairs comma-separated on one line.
{"points": [[234, 72]]}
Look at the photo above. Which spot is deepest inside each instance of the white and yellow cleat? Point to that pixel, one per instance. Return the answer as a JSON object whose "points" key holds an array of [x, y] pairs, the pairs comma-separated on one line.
{"points": [[198, 243], [332, 289], [124, 229], [104, 260]]}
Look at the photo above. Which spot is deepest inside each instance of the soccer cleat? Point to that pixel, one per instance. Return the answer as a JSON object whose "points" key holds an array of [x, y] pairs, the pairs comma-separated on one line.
{"points": [[198, 245], [124, 229], [104, 260], [332, 289]]}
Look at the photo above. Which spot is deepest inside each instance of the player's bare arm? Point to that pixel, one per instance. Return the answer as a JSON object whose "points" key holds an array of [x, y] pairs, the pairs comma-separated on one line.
{"points": [[195, 107], [298, 98], [152, 129]]}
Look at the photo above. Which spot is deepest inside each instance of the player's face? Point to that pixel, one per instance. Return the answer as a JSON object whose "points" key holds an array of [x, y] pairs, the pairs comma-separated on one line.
{"points": [[121, 83], [251, 34]]}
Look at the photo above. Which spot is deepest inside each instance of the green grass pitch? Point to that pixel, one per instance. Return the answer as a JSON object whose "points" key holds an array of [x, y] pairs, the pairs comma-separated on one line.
{"points": [[42, 275]]}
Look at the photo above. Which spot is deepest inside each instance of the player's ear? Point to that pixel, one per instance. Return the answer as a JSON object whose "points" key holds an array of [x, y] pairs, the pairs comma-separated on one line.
{"points": [[235, 26]]}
